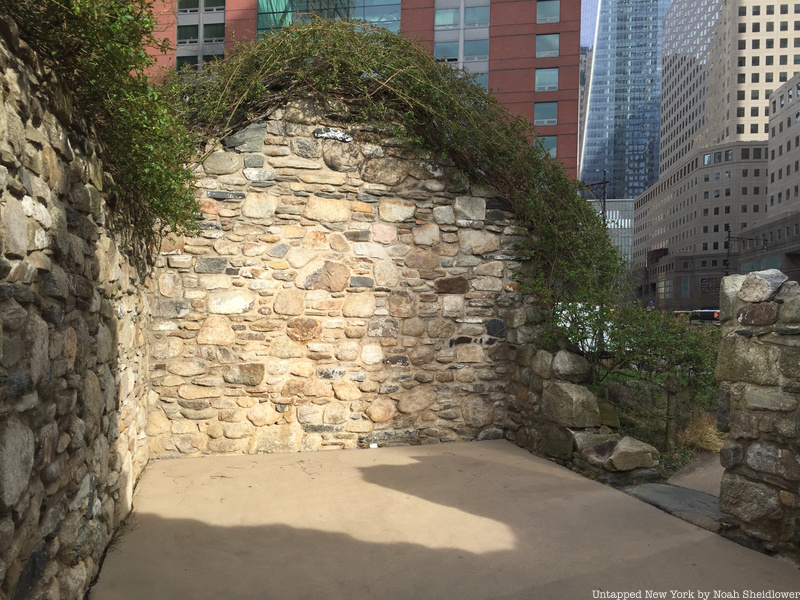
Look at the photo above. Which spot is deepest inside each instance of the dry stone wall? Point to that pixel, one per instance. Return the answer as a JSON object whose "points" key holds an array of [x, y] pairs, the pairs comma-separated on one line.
{"points": [[343, 291], [552, 412], [759, 373], [72, 365]]}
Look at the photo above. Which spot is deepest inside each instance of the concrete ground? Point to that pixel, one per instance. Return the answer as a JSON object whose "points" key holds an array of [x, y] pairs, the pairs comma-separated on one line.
{"points": [[703, 473], [483, 520]]}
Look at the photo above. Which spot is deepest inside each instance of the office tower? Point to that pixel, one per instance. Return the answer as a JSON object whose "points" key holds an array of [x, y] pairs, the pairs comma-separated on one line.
{"points": [[526, 51], [621, 135], [721, 64]]}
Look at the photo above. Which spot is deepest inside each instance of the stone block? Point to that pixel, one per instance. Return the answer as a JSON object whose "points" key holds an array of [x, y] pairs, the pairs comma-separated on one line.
{"points": [[755, 504], [386, 171], [556, 442], [470, 208], [327, 210], [361, 305], [289, 302], [323, 275], [416, 400], [763, 313], [259, 206], [426, 235], [245, 374], [303, 329], [761, 286], [381, 410], [222, 163], [630, 454], [231, 302], [216, 330], [769, 398], [477, 241], [570, 405], [542, 363], [452, 285], [477, 412], [16, 459], [278, 438], [395, 210], [570, 367], [741, 359]]}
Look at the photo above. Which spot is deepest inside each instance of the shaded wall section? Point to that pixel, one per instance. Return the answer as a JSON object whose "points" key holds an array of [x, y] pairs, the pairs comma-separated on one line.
{"points": [[759, 373]]}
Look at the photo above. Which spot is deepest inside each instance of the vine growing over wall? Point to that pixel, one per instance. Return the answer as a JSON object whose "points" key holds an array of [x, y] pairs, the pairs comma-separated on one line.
{"points": [[97, 48], [377, 76]]}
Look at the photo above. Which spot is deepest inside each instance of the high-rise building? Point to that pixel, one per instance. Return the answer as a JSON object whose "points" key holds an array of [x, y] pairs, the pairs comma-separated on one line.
{"points": [[721, 63], [526, 51], [621, 131]]}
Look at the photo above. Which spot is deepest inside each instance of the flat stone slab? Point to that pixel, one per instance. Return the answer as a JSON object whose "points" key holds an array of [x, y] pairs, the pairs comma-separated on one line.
{"points": [[467, 521], [696, 507]]}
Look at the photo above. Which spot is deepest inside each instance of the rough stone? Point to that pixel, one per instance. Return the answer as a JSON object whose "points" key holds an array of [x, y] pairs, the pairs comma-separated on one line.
{"points": [[245, 374], [467, 207], [630, 454], [323, 275], [230, 302], [424, 260], [381, 410], [222, 163], [570, 405], [303, 329], [216, 330], [426, 235], [740, 359], [760, 286], [279, 438], [327, 210], [361, 305], [477, 241], [570, 367], [395, 210], [289, 302], [416, 400], [16, 459]]}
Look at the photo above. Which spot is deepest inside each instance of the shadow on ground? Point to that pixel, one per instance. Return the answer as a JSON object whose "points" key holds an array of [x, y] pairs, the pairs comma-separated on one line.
{"points": [[462, 521]]}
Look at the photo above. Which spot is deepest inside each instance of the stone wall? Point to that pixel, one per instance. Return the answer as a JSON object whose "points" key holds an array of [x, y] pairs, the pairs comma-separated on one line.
{"points": [[72, 369], [342, 292], [552, 412], [759, 373]]}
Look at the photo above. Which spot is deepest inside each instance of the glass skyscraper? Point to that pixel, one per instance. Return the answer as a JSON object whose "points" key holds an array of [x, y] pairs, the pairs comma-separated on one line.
{"points": [[621, 131]]}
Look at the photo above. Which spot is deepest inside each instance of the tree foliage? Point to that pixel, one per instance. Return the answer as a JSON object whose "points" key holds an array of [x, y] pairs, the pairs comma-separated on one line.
{"points": [[377, 76], [98, 49]]}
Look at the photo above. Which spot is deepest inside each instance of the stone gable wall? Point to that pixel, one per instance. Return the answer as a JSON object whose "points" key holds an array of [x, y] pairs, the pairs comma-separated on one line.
{"points": [[72, 365], [341, 292], [758, 368]]}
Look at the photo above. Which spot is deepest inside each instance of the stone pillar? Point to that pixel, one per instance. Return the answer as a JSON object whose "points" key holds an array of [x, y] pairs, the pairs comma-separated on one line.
{"points": [[758, 368]]}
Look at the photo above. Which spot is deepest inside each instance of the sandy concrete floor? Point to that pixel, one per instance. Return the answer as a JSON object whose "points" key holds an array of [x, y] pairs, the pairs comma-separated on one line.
{"points": [[703, 474], [453, 521]]}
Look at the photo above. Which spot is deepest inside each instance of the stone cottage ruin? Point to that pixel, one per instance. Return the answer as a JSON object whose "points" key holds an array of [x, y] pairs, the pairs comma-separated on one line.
{"points": [[343, 291]]}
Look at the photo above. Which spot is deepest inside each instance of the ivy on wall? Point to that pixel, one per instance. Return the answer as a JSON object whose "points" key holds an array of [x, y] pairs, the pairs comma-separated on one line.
{"points": [[377, 76], [97, 48]]}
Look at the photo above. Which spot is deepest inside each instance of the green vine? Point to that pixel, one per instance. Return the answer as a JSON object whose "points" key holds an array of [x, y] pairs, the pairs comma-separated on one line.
{"points": [[382, 77], [98, 49]]}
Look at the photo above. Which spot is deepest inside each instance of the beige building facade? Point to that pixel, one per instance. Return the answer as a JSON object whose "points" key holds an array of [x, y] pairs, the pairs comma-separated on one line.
{"points": [[721, 64]]}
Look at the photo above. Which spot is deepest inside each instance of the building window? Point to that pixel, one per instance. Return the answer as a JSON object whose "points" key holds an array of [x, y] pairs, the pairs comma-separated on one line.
{"points": [[187, 34], [182, 61], [548, 11], [546, 80], [188, 6], [550, 143], [214, 32], [446, 51], [447, 18], [545, 113], [547, 45], [476, 50], [476, 16]]}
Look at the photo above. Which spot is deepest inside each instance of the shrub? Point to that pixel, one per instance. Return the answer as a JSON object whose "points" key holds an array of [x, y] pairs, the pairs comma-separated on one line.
{"points": [[98, 49]]}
